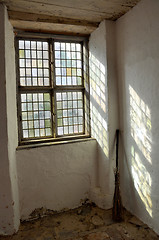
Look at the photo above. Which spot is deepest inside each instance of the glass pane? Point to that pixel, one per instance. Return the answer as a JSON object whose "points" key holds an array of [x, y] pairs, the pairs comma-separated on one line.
{"points": [[21, 44], [36, 115], [34, 63], [68, 63], [69, 118]]}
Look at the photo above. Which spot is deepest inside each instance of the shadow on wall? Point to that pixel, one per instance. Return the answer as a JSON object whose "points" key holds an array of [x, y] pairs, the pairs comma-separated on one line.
{"points": [[141, 162], [98, 105]]}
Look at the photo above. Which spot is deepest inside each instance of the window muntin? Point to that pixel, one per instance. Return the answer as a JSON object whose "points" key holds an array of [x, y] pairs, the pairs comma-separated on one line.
{"points": [[69, 105], [51, 89], [36, 115], [34, 63], [68, 64]]}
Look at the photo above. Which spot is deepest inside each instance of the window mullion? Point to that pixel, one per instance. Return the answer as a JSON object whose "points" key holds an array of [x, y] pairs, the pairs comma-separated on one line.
{"points": [[19, 117], [52, 74], [55, 112], [18, 95], [51, 63], [83, 92]]}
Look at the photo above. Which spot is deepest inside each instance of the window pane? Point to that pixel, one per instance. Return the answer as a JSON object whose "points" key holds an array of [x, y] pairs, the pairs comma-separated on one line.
{"points": [[69, 118], [36, 115], [34, 63], [68, 64], [50, 83]]}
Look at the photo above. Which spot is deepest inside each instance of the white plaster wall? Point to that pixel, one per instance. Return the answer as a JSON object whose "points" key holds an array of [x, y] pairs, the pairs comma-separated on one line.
{"points": [[9, 219], [55, 177], [138, 73], [104, 117], [62, 176], [113, 116], [11, 114]]}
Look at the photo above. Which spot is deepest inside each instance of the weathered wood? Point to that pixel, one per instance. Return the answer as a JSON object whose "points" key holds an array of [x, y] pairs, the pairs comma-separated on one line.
{"points": [[54, 28], [24, 16], [59, 11], [87, 10]]}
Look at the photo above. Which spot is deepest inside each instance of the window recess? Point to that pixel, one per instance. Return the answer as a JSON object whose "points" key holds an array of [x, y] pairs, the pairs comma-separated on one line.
{"points": [[52, 89]]}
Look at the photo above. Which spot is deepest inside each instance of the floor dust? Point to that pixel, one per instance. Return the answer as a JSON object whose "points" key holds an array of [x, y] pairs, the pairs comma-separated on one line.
{"points": [[85, 223]]}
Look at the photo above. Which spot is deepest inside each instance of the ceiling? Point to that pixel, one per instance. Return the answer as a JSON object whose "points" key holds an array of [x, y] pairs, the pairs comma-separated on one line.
{"points": [[79, 17]]}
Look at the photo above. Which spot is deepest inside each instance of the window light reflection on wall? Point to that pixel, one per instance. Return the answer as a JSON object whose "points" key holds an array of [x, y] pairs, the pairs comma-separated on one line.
{"points": [[140, 117], [142, 180], [140, 124], [99, 126]]}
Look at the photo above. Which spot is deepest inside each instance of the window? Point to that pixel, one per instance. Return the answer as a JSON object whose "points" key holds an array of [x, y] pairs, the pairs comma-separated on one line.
{"points": [[53, 89]]}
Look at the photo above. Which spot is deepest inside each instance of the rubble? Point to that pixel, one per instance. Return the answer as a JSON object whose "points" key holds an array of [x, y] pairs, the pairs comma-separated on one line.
{"points": [[87, 222]]}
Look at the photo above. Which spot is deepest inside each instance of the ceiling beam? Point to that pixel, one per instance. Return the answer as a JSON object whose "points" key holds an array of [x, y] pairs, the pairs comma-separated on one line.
{"points": [[40, 18]]}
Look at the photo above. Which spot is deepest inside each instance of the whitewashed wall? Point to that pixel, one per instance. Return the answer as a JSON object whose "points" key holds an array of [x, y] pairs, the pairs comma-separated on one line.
{"points": [[62, 176], [104, 108], [138, 72], [56, 177], [9, 199]]}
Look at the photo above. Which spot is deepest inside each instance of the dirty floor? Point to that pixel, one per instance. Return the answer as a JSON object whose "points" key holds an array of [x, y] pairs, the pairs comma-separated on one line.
{"points": [[85, 223]]}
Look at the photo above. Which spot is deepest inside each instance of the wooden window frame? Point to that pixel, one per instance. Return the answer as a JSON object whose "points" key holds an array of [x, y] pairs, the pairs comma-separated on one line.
{"points": [[53, 88]]}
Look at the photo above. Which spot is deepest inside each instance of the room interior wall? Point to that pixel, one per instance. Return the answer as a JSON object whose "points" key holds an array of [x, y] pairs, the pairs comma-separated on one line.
{"points": [[89, 161], [57, 177], [104, 109], [62, 176], [11, 114], [138, 74], [9, 201]]}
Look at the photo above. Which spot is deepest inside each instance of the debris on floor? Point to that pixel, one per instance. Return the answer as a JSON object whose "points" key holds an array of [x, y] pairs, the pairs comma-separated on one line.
{"points": [[84, 223]]}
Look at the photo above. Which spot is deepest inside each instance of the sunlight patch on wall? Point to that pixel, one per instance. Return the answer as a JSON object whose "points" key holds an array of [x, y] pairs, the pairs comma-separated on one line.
{"points": [[140, 117], [98, 83], [99, 129], [140, 124], [142, 180]]}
